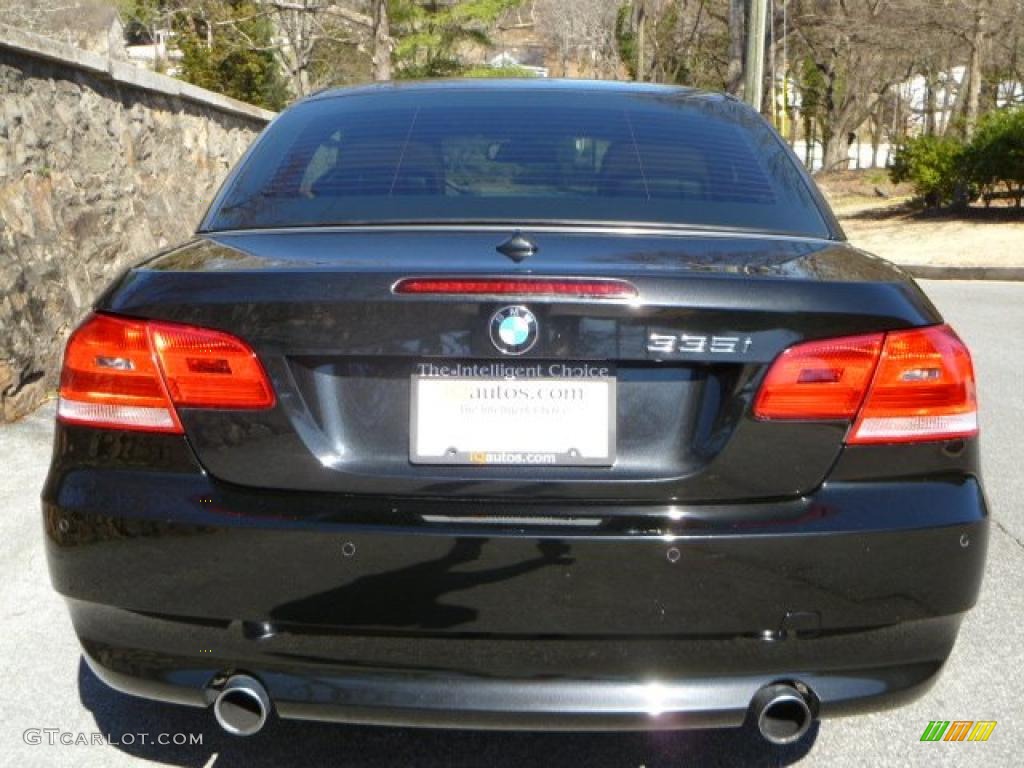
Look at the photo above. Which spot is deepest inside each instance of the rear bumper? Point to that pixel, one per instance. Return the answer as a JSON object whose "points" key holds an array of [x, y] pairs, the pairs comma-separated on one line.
{"points": [[325, 677], [309, 677], [418, 613]]}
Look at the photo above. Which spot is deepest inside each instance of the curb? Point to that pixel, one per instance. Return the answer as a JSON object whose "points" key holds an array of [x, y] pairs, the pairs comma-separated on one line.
{"points": [[932, 272]]}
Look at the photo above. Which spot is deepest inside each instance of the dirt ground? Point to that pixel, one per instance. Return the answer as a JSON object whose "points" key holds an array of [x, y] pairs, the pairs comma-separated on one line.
{"points": [[878, 217]]}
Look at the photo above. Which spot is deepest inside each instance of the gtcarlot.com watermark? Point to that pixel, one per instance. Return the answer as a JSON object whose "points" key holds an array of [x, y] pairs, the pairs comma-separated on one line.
{"points": [[58, 737]]}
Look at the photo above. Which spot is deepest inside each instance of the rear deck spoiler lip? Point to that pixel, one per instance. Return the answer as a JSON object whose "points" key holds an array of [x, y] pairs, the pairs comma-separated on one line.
{"points": [[585, 228]]}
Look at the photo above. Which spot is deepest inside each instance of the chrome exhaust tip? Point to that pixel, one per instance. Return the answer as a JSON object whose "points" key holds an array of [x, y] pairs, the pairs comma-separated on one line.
{"points": [[783, 713], [242, 706]]}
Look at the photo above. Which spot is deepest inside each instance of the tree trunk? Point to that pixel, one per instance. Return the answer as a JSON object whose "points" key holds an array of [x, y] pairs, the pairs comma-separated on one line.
{"points": [[836, 152], [898, 126], [813, 146], [974, 93], [930, 105], [294, 53], [833, 139], [844, 120], [737, 27], [954, 123], [381, 41], [876, 141], [947, 101], [877, 125], [808, 141]]}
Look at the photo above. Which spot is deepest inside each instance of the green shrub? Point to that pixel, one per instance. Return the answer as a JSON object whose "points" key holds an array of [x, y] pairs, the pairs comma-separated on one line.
{"points": [[934, 165], [498, 72], [994, 160], [944, 170]]}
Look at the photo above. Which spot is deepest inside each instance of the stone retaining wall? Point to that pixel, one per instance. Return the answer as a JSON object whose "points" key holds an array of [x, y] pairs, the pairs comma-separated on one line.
{"points": [[101, 163]]}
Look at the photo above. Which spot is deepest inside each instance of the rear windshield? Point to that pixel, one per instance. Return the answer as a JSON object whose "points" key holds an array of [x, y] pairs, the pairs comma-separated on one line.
{"points": [[452, 156]]}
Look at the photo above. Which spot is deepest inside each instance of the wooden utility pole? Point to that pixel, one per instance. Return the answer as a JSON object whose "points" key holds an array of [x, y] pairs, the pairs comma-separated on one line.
{"points": [[381, 43], [737, 23], [641, 21], [753, 81]]}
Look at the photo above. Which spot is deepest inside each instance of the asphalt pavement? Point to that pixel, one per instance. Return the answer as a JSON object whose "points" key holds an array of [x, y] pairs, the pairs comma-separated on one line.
{"points": [[44, 684]]}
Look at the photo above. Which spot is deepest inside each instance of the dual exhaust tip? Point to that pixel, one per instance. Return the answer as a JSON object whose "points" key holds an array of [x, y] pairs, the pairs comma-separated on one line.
{"points": [[783, 712], [242, 706]]}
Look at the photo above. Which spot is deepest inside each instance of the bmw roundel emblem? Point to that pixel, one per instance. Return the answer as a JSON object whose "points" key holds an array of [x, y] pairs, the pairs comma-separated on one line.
{"points": [[513, 330]]}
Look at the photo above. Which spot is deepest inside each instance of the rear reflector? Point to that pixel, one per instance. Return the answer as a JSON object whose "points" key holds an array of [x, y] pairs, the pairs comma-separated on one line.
{"points": [[903, 386], [564, 287], [130, 374]]}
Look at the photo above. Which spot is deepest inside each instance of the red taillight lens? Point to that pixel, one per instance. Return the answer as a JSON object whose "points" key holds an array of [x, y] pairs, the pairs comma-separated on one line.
{"points": [[209, 369], [923, 390], [903, 386], [563, 287], [819, 379], [111, 379], [129, 374]]}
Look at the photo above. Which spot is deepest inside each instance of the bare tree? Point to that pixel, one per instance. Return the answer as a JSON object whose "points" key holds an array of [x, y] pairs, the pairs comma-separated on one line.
{"points": [[580, 32], [304, 26], [859, 52]]}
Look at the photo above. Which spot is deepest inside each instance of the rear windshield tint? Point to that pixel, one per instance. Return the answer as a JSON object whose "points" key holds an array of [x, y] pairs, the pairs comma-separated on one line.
{"points": [[520, 156]]}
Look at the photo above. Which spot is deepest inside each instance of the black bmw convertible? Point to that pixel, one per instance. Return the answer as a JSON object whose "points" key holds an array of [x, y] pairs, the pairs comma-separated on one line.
{"points": [[524, 404]]}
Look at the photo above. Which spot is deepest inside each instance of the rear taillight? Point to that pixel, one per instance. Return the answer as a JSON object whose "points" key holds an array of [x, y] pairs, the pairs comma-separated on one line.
{"points": [[819, 379], [111, 379], [903, 386], [130, 374], [209, 369], [923, 389]]}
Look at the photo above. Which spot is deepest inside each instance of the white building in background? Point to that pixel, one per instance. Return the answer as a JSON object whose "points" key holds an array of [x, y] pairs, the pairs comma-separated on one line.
{"points": [[1010, 93], [158, 54], [858, 156], [949, 87], [509, 60], [913, 97]]}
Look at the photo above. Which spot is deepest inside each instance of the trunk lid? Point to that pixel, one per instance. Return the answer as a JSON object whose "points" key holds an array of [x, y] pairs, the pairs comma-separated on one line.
{"points": [[341, 349]]}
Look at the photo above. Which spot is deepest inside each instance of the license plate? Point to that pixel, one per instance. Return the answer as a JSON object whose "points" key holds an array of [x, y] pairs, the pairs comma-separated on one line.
{"points": [[521, 420]]}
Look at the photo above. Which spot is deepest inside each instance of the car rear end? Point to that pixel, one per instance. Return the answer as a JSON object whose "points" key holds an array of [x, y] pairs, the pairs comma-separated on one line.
{"points": [[641, 473]]}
